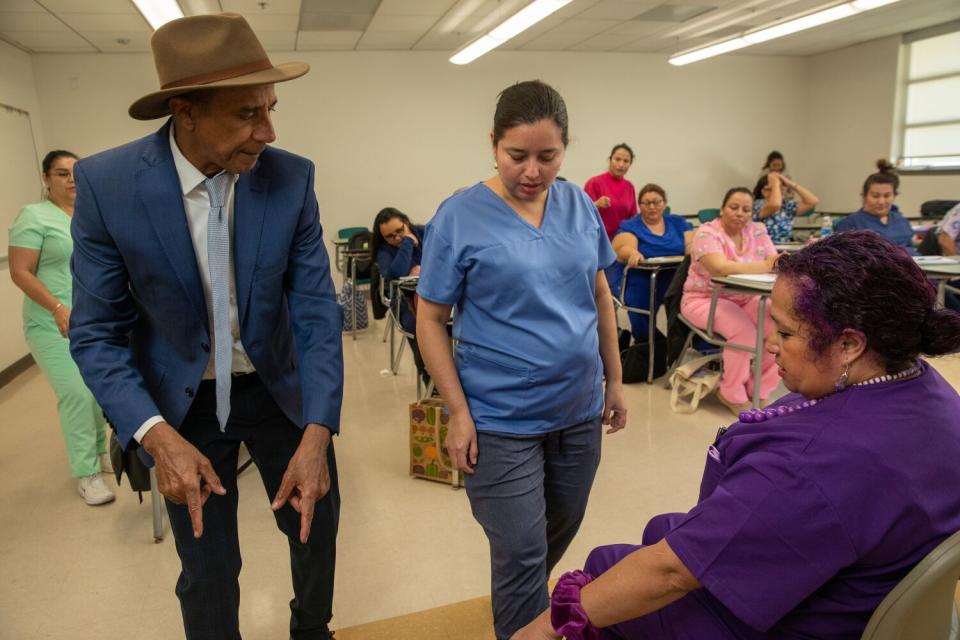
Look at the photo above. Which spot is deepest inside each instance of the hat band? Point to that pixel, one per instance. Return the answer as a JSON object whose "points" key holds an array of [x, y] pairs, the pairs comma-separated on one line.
{"points": [[222, 74]]}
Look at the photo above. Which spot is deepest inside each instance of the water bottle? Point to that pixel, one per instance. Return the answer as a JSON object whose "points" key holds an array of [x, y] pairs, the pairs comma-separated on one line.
{"points": [[826, 226]]}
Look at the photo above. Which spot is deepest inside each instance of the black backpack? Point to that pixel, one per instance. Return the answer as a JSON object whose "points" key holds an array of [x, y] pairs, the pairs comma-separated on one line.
{"points": [[937, 208], [360, 241]]}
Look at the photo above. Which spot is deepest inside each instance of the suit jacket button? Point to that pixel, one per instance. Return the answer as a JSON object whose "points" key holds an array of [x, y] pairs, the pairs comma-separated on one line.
{"points": [[205, 347], [189, 392]]}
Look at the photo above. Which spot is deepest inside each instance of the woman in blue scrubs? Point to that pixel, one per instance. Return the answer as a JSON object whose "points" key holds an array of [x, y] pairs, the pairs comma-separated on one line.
{"points": [[878, 212], [652, 234], [521, 256]]}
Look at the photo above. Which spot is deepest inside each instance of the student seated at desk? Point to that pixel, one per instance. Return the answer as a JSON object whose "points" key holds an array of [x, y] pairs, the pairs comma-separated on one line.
{"points": [[878, 212], [771, 206], [652, 234], [397, 247], [728, 245]]}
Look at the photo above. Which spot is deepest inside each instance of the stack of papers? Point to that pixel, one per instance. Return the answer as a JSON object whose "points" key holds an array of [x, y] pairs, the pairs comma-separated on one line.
{"points": [[935, 260]]}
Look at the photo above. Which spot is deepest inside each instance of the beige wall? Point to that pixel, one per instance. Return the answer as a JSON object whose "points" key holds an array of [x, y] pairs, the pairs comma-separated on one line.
{"points": [[16, 90], [406, 129], [851, 124]]}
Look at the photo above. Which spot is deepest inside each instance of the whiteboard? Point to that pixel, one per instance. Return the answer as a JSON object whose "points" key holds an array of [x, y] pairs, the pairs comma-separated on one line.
{"points": [[20, 181]]}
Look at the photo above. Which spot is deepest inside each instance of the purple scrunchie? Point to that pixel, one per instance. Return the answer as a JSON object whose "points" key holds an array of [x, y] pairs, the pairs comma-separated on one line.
{"points": [[566, 613]]}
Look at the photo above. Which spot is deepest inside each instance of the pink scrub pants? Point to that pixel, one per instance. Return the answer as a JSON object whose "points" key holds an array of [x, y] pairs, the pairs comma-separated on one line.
{"points": [[736, 320]]}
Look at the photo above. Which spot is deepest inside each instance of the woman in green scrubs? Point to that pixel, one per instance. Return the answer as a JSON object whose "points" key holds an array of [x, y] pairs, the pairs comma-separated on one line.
{"points": [[39, 255]]}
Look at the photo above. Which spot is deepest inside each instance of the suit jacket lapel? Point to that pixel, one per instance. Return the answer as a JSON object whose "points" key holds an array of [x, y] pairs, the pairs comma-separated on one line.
{"points": [[158, 188], [249, 206]]}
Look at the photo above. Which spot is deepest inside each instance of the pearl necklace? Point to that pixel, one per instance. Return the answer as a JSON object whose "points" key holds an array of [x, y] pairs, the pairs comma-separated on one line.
{"points": [[755, 415]]}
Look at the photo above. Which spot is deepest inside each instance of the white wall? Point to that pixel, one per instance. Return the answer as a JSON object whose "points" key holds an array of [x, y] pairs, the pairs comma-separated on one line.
{"points": [[851, 125], [406, 129], [17, 89]]}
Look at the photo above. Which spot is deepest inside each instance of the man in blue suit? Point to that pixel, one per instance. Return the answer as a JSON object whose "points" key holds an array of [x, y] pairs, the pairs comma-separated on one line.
{"points": [[204, 316]]}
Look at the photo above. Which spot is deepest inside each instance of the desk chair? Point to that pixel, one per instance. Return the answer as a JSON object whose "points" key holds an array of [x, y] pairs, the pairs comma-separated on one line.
{"points": [[706, 215], [922, 605], [347, 232]]}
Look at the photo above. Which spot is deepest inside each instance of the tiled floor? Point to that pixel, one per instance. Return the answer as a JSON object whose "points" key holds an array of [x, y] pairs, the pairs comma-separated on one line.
{"points": [[73, 571]]}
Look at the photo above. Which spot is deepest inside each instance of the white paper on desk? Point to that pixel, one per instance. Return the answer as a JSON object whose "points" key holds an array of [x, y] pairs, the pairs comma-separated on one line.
{"points": [[934, 260], [766, 278]]}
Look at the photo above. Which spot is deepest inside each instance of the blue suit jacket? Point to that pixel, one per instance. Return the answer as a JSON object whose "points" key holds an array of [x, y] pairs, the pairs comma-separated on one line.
{"points": [[139, 329]]}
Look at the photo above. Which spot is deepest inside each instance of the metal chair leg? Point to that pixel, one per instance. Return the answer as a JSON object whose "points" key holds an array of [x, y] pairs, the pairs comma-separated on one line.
{"points": [[156, 501]]}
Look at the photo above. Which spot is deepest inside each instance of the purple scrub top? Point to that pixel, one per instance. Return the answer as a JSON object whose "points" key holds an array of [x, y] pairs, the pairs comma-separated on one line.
{"points": [[806, 521]]}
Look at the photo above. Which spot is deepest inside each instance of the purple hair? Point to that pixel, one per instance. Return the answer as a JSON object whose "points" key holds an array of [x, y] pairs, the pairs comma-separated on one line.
{"points": [[859, 280]]}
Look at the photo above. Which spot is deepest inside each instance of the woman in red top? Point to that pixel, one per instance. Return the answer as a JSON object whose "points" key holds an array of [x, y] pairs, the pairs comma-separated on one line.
{"points": [[613, 194]]}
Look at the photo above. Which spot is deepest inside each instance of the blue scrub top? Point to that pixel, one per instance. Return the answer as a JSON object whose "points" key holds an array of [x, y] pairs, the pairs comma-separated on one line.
{"points": [[897, 229], [650, 244], [528, 353]]}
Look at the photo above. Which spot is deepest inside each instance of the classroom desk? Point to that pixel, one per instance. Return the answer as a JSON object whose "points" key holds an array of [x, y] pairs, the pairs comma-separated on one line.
{"points": [[789, 247], [940, 269], [653, 266], [741, 286], [351, 257]]}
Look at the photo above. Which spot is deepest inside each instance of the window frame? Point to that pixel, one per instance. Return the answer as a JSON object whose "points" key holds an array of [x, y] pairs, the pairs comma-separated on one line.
{"points": [[904, 82]]}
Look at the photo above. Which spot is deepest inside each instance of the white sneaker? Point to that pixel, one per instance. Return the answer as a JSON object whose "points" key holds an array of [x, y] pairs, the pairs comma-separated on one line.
{"points": [[106, 465], [93, 490]]}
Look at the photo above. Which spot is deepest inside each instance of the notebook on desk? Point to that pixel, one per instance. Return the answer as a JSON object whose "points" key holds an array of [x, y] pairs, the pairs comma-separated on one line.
{"points": [[763, 278]]}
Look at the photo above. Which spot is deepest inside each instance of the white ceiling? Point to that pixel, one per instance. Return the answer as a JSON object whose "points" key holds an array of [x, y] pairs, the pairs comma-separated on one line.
{"points": [[48, 26]]}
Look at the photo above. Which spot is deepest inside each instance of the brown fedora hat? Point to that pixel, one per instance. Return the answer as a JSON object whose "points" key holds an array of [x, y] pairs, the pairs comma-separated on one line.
{"points": [[206, 52]]}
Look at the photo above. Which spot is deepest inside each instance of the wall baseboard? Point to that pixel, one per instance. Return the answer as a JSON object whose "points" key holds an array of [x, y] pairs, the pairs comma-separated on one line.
{"points": [[18, 367]]}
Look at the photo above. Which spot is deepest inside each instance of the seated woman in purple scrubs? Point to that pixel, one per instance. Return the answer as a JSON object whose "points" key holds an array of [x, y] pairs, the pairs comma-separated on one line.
{"points": [[813, 509]]}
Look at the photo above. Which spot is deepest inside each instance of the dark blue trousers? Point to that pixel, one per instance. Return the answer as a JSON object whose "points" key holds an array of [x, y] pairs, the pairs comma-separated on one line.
{"points": [[208, 588], [529, 494]]}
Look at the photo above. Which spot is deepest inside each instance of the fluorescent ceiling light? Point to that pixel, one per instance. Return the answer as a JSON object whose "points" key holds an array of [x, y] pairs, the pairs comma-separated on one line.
{"points": [[519, 22], [831, 14], [708, 52], [800, 24], [159, 12], [866, 5]]}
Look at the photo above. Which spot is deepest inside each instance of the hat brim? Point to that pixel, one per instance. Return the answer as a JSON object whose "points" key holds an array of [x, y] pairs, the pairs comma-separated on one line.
{"points": [[154, 105]]}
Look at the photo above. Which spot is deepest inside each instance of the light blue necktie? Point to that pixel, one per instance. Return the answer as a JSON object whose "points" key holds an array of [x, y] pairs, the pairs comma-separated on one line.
{"points": [[218, 261]]}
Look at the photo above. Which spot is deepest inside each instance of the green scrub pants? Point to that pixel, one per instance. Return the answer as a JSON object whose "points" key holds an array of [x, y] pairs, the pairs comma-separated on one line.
{"points": [[81, 419]]}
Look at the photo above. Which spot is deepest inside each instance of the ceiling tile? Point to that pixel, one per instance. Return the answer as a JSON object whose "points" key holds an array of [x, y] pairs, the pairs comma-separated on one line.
{"points": [[675, 13], [50, 41], [252, 7], [584, 27], [20, 6], [637, 28], [643, 45], [576, 8], [274, 22], [387, 41], [278, 40], [327, 40], [603, 42], [128, 22], [617, 9], [552, 41], [408, 24], [107, 41], [414, 7], [434, 41], [30, 22], [90, 6]]}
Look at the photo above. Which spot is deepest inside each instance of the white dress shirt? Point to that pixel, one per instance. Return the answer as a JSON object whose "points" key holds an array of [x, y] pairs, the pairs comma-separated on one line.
{"points": [[196, 203]]}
